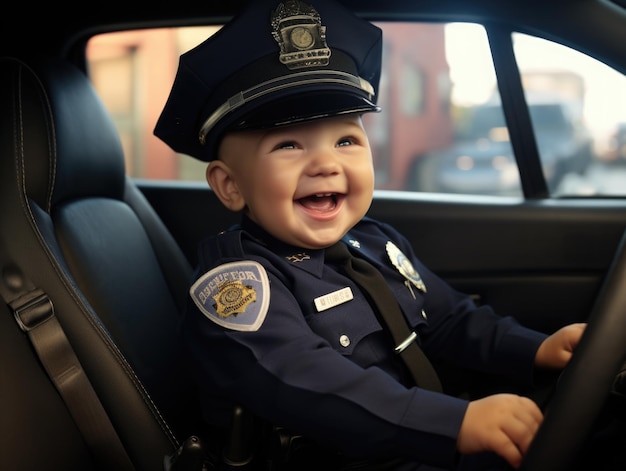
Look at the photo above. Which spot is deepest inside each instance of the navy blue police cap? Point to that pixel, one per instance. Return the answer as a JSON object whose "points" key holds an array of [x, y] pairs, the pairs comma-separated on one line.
{"points": [[274, 64]]}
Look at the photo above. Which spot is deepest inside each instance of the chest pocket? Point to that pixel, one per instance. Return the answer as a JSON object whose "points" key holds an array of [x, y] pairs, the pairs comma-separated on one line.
{"points": [[411, 302], [346, 326]]}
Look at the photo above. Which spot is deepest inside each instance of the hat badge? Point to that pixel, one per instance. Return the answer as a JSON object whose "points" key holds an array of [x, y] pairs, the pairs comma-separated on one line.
{"points": [[297, 28]]}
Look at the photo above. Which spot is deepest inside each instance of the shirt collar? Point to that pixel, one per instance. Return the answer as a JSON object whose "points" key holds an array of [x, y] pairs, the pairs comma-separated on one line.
{"points": [[309, 260]]}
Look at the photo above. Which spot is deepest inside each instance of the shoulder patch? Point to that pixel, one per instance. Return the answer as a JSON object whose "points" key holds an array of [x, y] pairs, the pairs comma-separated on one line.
{"points": [[235, 295]]}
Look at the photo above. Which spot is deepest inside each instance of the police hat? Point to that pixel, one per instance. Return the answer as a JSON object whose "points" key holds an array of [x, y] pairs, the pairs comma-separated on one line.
{"points": [[274, 64]]}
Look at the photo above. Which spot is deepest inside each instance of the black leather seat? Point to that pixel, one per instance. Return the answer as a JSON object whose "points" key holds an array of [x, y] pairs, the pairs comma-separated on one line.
{"points": [[74, 224]]}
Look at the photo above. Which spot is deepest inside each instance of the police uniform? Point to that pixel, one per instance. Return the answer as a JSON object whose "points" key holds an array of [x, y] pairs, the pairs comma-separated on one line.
{"points": [[266, 331], [274, 327]]}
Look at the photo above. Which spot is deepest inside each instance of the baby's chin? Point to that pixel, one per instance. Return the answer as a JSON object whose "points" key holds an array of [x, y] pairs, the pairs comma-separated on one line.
{"points": [[320, 238]]}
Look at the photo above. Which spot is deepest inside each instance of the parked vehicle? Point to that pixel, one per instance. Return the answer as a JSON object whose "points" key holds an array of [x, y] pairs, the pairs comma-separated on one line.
{"points": [[100, 221], [482, 160]]}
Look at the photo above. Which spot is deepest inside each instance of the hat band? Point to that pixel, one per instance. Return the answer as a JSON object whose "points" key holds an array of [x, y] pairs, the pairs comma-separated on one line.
{"points": [[293, 80]]}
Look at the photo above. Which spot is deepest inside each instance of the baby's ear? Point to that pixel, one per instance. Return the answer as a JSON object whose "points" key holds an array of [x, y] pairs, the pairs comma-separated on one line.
{"points": [[220, 178]]}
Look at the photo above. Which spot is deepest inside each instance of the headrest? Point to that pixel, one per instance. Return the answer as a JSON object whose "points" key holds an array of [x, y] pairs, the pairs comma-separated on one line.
{"points": [[71, 146], [276, 63]]}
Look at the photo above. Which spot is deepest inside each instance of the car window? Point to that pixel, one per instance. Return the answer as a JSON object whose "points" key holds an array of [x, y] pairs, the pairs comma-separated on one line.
{"points": [[578, 111], [442, 128]]}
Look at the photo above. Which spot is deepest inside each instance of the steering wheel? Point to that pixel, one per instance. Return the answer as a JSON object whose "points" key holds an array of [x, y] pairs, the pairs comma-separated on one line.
{"points": [[585, 383]]}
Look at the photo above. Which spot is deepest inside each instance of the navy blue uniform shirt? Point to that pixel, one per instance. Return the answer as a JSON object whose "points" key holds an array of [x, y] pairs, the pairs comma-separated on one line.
{"points": [[272, 327]]}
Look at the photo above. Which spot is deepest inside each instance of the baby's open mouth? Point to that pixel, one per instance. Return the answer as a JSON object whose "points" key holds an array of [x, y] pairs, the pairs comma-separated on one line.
{"points": [[320, 201]]}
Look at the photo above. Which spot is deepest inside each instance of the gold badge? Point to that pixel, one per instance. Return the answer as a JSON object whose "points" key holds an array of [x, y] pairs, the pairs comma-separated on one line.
{"points": [[404, 266], [297, 28], [233, 298]]}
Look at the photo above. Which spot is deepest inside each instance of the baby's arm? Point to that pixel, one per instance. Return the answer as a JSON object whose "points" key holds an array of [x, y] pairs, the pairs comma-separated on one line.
{"points": [[506, 423]]}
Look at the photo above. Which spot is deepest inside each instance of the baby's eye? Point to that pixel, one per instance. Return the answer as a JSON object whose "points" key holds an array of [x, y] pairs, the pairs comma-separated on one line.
{"points": [[286, 145], [345, 141]]}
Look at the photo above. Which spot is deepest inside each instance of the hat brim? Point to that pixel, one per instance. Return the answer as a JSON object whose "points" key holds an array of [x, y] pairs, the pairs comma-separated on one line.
{"points": [[302, 107]]}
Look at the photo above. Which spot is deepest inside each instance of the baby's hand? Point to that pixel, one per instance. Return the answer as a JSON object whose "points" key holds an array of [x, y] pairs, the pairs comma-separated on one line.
{"points": [[503, 423], [556, 350]]}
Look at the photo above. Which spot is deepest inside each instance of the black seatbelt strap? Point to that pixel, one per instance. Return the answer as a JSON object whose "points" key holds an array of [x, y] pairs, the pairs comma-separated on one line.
{"points": [[375, 286], [34, 313]]}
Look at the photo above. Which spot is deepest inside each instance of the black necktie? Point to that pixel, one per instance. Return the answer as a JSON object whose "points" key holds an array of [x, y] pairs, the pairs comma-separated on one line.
{"points": [[375, 286]]}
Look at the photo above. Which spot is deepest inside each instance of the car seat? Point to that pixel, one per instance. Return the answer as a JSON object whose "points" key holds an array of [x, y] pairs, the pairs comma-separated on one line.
{"points": [[73, 225]]}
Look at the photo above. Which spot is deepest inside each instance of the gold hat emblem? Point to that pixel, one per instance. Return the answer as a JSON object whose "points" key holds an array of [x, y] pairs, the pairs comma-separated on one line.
{"points": [[297, 28]]}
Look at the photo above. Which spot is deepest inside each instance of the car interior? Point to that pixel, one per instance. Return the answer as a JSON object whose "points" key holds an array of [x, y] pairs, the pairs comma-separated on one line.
{"points": [[96, 264], [81, 232]]}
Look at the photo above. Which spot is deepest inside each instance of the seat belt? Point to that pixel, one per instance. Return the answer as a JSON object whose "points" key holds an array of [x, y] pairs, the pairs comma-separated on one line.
{"points": [[375, 286], [34, 313]]}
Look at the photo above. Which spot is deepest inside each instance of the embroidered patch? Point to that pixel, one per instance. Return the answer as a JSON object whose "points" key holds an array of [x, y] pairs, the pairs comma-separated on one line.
{"points": [[235, 295]]}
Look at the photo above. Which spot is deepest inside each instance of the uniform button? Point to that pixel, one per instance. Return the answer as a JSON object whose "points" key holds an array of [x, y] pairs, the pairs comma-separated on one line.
{"points": [[424, 315], [344, 341]]}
